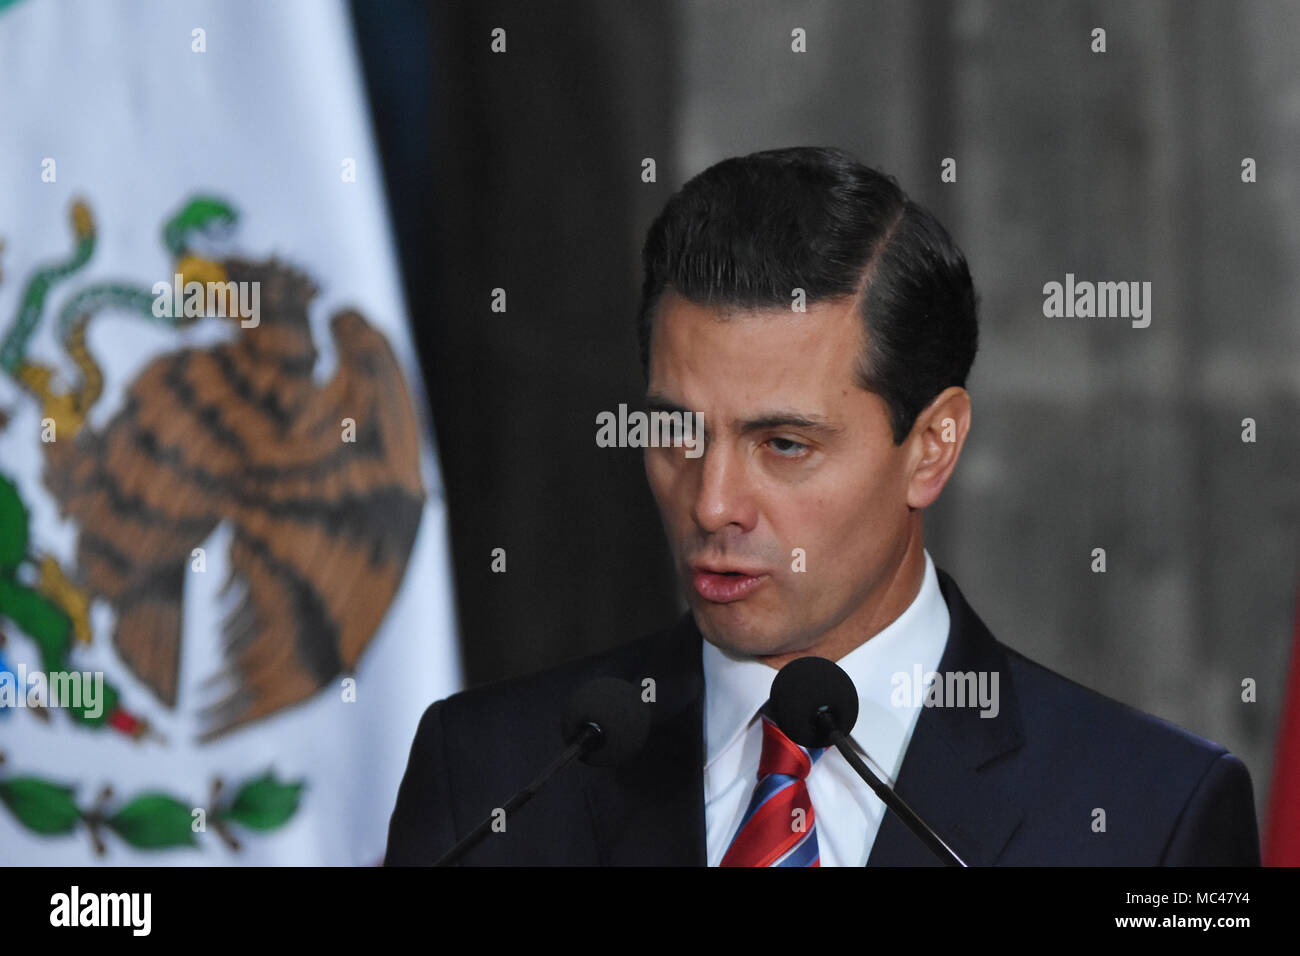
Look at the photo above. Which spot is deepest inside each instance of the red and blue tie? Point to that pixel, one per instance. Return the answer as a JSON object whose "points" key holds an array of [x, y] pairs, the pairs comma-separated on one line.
{"points": [[774, 832]]}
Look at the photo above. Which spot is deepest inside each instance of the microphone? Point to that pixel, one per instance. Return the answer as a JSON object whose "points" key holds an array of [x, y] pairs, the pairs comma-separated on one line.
{"points": [[816, 705], [604, 724], [610, 713]]}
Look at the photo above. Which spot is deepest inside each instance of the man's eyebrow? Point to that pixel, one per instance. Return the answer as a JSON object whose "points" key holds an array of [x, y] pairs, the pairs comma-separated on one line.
{"points": [[789, 419], [654, 402], [778, 418]]}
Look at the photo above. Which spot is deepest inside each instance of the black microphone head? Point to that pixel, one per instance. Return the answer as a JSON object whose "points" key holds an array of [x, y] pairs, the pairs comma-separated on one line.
{"points": [[616, 708], [802, 690]]}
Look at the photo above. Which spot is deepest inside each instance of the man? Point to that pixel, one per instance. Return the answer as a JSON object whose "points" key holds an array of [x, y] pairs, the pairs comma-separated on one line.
{"points": [[824, 325]]}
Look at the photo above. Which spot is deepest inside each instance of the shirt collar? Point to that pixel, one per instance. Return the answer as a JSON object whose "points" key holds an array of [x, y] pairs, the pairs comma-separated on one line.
{"points": [[736, 687]]}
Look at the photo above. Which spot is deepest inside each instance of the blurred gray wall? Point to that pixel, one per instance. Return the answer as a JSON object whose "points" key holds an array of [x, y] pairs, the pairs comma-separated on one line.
{"points": [[1087, 433]]}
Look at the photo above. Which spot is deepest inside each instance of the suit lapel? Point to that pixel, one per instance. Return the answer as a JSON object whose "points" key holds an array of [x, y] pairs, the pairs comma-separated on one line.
{"points": [[941, 776], [650, 812]]}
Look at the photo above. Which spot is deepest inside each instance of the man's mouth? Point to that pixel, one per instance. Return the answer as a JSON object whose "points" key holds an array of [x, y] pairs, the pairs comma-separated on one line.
{"points": [[722, 585]]}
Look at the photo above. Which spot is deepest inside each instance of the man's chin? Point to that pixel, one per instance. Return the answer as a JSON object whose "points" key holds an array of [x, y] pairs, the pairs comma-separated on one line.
{"points": [[737, 636]]}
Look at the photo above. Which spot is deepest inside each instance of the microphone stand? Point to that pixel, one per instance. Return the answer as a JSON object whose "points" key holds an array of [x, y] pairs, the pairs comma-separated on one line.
{"points": [[826, 724], [587, 736]]}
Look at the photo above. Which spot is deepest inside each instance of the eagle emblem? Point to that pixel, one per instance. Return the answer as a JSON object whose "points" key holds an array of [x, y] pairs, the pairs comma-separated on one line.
{"points": [[319, 483]]}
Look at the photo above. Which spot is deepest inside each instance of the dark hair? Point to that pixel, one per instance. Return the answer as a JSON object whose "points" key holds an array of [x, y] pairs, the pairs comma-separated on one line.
{"points": [[749, 230]]}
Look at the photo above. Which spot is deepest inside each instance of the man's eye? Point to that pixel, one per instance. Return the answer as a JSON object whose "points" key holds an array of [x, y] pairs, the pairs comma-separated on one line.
{"points": [[787, 448]]}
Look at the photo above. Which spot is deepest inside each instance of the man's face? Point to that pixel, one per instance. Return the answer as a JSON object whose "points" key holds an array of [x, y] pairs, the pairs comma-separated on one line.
{"points": [[796, 456]]}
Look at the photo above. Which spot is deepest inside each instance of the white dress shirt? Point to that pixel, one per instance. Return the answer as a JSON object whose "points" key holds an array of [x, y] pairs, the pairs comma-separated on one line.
{"points": [[847, 814]]}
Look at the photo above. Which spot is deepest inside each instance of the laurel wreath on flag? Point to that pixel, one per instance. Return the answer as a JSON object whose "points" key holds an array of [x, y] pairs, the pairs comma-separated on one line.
{"points": [[151, 820]]}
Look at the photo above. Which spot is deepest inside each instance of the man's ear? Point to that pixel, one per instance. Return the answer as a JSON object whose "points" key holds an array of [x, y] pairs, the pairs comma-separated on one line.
{"points": [[935, 443]]}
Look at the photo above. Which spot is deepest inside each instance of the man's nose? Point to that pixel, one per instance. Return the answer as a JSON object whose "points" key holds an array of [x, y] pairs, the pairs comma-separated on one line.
{"points": [[723, 496]]}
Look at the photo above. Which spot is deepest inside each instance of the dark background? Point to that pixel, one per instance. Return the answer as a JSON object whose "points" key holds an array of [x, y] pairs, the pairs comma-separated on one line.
{"points": [[522, 171]]}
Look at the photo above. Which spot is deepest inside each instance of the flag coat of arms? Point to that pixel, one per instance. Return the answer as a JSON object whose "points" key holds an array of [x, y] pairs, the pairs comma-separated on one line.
{"points": [[225, 592]]}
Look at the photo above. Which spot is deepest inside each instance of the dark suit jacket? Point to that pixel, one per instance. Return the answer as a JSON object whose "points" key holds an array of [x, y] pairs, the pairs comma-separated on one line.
{"points": [[1020, 788]]}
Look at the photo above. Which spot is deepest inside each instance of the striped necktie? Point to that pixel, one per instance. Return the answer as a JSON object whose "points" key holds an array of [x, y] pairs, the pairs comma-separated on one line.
{"points": [[778, 828]]}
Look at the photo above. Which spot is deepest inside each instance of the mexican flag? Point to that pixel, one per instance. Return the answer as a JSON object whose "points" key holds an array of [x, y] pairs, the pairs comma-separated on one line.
{"points": [[225, 592]]}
